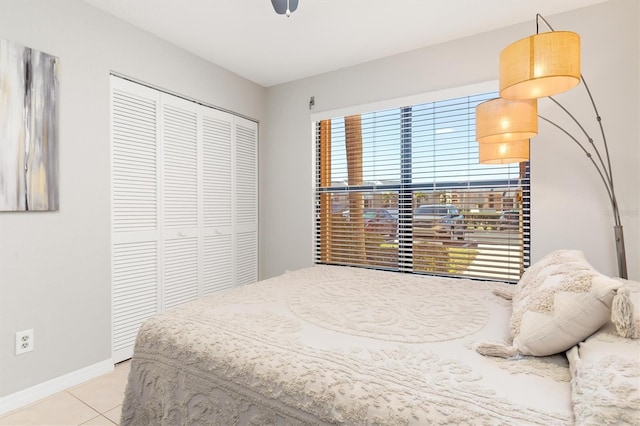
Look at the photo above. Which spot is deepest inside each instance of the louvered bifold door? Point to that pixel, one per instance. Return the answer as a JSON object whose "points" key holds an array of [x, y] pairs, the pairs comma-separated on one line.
{"points": [[134, 198], [217, 192], [180, 189], [246, 200]]}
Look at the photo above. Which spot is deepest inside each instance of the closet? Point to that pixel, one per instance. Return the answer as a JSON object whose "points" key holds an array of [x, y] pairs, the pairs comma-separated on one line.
{"points": [[184, 204]]}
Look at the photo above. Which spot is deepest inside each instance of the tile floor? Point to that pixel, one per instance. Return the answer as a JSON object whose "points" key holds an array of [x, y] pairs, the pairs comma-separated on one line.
{"points": [[96, 403]]}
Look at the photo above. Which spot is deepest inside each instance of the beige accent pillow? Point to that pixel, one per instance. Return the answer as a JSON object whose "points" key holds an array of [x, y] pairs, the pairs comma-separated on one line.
{"points": [[559, 301], [563, 310], [546, 265], [530, 274]]}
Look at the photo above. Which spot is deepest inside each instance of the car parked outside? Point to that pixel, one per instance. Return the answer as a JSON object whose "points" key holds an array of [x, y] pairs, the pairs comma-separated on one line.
{"points": [[510, 219], [380, 221], [440, 220]]}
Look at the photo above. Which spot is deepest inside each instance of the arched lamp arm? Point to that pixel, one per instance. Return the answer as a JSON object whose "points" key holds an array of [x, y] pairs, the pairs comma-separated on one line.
{"points": [[607, 170], [538, 18], [588, 154], [604, 137]]}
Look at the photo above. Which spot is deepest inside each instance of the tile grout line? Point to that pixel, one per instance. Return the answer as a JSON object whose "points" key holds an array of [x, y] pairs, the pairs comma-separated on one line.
{"points": [[97, 411], [99, 416]]}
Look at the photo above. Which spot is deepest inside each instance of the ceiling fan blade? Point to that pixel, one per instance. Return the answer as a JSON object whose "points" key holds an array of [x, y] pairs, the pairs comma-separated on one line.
{"points": [[280, 6]]}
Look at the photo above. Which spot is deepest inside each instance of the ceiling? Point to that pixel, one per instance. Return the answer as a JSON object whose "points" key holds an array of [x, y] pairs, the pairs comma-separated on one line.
{"points": [[248, 38]]}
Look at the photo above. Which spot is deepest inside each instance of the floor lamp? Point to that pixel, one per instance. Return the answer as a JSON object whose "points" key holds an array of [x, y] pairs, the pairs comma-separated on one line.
{"points": [[541, 65]]}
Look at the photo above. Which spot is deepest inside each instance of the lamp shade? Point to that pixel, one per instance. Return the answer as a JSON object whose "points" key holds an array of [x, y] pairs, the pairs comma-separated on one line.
{"points": [[540, 65], [504, 120], [504, 153]]}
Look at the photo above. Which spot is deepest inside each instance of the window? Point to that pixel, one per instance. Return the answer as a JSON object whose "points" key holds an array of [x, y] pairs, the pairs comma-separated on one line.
{"points": [[401, 189]]}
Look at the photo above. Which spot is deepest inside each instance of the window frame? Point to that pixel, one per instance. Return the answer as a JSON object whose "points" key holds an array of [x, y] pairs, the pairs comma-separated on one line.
{"points": [[406, 209]]}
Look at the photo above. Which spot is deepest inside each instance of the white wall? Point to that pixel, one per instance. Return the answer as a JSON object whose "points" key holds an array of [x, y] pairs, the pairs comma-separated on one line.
{"points": [[569, 207], [55, 266]]}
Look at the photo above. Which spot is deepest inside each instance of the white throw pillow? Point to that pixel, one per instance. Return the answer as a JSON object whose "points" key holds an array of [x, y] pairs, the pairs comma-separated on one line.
{"points": [[533, 272], [564, 309], [546, 265], [560, 301]]}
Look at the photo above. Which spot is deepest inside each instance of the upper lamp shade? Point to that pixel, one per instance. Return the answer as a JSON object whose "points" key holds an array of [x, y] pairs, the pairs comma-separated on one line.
{"points": [[503, 153], [504, 120], [540, 65]]}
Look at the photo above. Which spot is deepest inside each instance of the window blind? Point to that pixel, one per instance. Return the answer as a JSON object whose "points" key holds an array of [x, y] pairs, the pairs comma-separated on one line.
{"points": [[402, 189]]}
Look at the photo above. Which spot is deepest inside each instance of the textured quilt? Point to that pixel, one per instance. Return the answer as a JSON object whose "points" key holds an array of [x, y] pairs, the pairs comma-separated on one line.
{"points": [[340, 345]]}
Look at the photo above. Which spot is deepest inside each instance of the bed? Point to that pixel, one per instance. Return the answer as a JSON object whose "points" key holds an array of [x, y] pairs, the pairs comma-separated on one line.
{"points": [[343, 345]]}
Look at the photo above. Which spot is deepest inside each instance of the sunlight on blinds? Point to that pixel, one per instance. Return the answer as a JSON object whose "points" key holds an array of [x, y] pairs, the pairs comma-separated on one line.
{"points": [[402, 189]]}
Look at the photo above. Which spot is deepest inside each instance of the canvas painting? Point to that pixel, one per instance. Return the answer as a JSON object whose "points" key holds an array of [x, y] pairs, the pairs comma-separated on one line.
{"points": [[28, 129]]}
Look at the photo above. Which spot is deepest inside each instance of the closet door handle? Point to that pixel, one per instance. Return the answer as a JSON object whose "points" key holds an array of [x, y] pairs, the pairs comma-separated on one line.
{"points": [[182, 234]]}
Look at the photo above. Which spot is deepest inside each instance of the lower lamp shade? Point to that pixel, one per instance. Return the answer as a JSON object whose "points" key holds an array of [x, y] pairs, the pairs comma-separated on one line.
{"points": [[505, 120], [504, 152]]}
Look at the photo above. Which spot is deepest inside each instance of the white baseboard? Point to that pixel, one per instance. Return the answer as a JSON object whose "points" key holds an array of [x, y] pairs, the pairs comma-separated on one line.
{"points": [[34, 393]]}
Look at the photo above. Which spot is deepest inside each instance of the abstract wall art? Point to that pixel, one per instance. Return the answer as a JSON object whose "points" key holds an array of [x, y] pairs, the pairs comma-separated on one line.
{"points": [[28, 129]]}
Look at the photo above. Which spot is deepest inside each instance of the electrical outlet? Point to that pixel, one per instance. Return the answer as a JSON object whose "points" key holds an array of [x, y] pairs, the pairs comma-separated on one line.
{"points": [[24, 341]]}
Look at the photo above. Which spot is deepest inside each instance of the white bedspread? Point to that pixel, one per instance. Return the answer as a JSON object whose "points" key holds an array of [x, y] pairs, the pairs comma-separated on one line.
{"points": [[341, 345]]}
